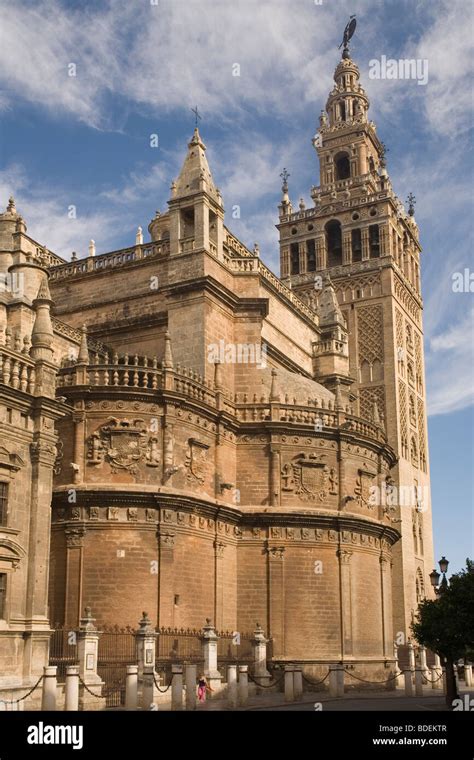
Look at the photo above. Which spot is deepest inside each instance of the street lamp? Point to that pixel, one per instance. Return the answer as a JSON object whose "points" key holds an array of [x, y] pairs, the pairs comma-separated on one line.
{"points": [[434, 576]]}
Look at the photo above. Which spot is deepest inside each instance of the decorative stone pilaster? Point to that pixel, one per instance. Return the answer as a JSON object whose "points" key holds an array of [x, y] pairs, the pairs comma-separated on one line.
{"points": [[209, 641], [276, 597], [259, 643], [87, 652], [145, 638], [345, 557]]}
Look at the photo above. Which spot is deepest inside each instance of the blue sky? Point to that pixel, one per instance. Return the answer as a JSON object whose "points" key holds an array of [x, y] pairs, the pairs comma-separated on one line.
{"points": [[140, 67]]}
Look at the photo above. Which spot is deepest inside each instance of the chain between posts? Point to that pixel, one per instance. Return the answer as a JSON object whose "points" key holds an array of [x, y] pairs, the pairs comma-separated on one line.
{"points": [[315, 683], [432, 680], [15, 701], [163, 691], [266, 685], [392, 678]]}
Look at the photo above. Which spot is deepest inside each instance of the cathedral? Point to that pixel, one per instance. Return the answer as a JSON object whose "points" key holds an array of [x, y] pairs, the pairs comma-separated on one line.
{"points": [[185, 432]]}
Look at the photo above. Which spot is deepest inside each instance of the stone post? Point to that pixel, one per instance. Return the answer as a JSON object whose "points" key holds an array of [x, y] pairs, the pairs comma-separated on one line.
{"points": [[399, 681], [340, 681], [131, 687], [436, 681], [145, 639], [468, 675], [232, 696], [411, 656], [177, 687], [289, 689], [407, 674], [191, 673], [336, 680], [87, 651], [48, 701], [209, 640], [423, 663], [243, 684], [298, 682], [418, 682], [259, 643], [71, 703]]}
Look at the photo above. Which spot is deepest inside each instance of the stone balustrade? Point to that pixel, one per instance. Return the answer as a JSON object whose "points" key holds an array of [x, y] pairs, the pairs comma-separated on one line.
{"points": [[108, 260], [17, 370]]}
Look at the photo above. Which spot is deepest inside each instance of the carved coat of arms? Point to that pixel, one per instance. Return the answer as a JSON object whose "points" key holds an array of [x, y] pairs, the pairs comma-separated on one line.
{"points": [[309, 476], [362, 490], [196, 460], [124, 444]]}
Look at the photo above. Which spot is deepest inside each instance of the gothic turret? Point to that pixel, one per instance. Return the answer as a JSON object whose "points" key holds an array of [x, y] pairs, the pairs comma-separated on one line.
{"points": [[196, 215]]}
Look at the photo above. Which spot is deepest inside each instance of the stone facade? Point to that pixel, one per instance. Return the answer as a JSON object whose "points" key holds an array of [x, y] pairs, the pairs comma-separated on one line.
{"points": [[220, 432]]}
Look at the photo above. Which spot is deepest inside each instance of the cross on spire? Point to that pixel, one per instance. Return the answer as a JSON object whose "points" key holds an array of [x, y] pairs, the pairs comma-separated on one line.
{"points": [[197, 115]]}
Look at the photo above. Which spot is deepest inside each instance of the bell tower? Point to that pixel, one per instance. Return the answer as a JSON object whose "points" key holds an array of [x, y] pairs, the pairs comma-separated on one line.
{"points": [[360, 235]]}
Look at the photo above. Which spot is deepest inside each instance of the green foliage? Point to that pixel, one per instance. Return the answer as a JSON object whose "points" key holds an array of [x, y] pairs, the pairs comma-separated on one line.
{"points": [[446, 625]]}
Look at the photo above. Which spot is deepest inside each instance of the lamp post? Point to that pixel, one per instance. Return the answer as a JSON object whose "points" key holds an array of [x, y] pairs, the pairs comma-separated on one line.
{"points": [[440, 589]]}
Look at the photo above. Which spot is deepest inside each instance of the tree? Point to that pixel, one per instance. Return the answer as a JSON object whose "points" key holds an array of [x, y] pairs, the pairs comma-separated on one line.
{"points": [[446, 624]]}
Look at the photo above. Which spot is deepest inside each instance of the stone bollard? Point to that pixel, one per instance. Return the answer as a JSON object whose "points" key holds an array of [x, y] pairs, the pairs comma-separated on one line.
{"points": [[411, 659], [419, 682], [335, 681], [190, 676], [468, 675], [177, 687], [209, 641], [289, 690], [48, 701], [423, 663], [399, 680], [243, 684], [408, 676], [436, 682], [71, 702], [131, 687], [298, 682], [232, 686]]}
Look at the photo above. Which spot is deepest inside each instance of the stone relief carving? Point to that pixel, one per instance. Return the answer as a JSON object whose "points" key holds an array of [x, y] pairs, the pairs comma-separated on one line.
{"points": [[309, 477], [124, 444], [196, 460], [363, 485]]}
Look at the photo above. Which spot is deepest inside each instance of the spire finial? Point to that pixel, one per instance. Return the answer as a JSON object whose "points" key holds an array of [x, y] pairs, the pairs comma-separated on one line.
{"points": [[83, 356], [274, 395], [168, 356], [348, 32], [411, 200], [197, 115], [284, 175], [11, 208]]}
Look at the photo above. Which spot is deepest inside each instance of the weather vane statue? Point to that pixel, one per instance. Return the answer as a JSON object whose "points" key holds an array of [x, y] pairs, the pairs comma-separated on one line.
{"points": [[348, 32]]}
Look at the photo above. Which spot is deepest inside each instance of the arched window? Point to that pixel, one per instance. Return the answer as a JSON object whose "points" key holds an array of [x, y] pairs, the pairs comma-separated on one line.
{"points": [[414, 451], [374, 243], [311, 259], [412, 411], [294, 258], [334, 243], [342, 166], [356, 245], [342, 110]]}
